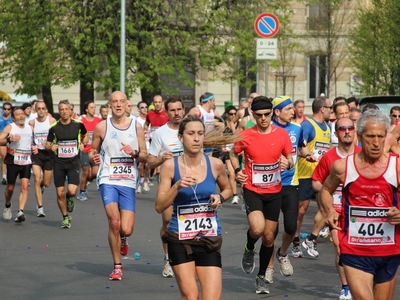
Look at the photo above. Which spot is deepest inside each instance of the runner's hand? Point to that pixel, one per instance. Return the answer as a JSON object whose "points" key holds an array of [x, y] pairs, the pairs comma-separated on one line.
{"points": [[127, 149], [96, 157], [187, 181], [215, 201], [35, 149], [54, 147], [394, 215], [166, 155], [333, 220], [241, 177]]}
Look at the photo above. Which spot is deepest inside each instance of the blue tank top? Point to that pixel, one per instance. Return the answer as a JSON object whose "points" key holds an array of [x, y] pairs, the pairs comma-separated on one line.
{"points": [[186, 196]]}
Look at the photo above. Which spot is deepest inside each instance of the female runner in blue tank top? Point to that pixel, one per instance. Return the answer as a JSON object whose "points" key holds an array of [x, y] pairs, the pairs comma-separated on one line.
{"points": [[188, 182]]}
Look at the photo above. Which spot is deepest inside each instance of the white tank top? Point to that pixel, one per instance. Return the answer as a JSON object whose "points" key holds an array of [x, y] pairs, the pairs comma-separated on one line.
{"points": [[207, 118], [117, 167], [40, 132], [21, 150]]}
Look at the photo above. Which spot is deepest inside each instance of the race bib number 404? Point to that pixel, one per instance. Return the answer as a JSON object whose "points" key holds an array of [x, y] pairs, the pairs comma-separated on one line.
{"points": [[369, 226], [122, 168], [40, 139], [196, 220], [67, 149], [321, 148]]}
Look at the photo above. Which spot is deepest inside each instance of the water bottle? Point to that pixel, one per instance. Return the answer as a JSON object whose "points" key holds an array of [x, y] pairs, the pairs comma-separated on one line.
{"points": [[303, 235], [136, 256]]}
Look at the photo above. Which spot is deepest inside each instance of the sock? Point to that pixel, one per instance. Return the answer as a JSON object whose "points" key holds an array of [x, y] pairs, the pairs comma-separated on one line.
{"points": [[68, 195], [66, 216], [250, 242], [4, 176], [265, 256], [118, 264], [312, 237], [83, 191], [344, 286], [21, 210], [8, 205], [40, 206], [141, 179], [296, 240]]}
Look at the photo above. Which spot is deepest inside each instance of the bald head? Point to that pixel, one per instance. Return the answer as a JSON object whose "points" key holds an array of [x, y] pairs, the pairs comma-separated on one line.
{"points": [[117, 95]]}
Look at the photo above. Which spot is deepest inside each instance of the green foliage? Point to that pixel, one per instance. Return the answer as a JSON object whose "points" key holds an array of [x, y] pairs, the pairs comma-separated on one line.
{"points": [[375, 48], [63, 42]]}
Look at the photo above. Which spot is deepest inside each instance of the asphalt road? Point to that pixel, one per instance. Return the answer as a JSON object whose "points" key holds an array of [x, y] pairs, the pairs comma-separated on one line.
{"points": [[39, 260]]}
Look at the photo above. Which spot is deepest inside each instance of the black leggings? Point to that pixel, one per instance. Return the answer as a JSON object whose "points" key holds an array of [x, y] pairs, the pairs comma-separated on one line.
{"points": [[290, 209]]}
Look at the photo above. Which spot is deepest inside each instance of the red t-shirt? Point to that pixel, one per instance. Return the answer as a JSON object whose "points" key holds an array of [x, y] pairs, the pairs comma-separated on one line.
{"points": [[90, 125], [262, 153], [157, 119], [321, 172]]}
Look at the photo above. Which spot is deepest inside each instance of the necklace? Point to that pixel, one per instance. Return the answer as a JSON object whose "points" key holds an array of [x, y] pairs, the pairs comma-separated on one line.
{"points": [[197, 182]]}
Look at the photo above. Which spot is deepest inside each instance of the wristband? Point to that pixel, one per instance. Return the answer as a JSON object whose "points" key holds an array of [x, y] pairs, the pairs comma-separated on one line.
{"points": [[136, 155], [8, 139], [221, 198], [237, 170]]}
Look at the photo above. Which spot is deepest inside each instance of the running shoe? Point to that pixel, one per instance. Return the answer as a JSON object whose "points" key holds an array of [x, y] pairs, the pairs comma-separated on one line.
{"points": [[235, 199], [261, 285], [311, 247], [82, 196], [167, 270], [285, 265], [66, 223], [139, 189], [116, 274], [20, 217], [248, 263], [269, 275], [151, 183], [40, 212], [345, 294], [296, 251], [324, 233], [124, 246], [146, 187], [4, 182], [7, 214], [70, 204]]}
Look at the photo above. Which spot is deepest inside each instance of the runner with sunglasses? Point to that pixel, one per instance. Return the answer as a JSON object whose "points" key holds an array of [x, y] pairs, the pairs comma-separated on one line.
{"points": [[5, 119], [261, 179]]}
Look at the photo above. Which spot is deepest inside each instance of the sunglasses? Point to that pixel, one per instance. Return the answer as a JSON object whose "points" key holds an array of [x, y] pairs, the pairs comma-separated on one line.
{"points": [[330, 107], [261, 115], [344, 128], [40, 108], [6, 108], [142, 107], [395, 116], [231, 114]]}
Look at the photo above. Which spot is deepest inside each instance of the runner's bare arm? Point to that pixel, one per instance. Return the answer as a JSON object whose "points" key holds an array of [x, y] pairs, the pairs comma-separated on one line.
{"points": [[98, 135], [142, 145], [334, 179], [4, 135]]}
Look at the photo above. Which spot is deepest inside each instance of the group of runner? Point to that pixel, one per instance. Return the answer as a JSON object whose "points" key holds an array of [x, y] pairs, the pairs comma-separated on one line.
{"points": [[362, 213]]}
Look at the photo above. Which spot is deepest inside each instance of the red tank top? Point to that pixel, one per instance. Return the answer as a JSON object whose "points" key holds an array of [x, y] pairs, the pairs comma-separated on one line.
{"points": [[366, 229]]}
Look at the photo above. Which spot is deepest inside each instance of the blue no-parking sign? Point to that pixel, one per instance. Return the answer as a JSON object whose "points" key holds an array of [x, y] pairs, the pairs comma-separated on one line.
{"points": [[266, 25]]}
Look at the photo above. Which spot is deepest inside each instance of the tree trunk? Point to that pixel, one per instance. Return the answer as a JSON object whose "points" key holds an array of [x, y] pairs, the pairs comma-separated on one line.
{"points": [[86, 92], [48, 98]]}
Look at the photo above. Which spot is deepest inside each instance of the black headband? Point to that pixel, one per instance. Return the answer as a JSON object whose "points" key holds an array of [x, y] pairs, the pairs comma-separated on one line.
{"points": [[261, 104]]}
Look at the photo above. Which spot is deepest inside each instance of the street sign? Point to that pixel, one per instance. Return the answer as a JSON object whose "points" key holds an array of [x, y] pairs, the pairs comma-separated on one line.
{"points": [[266, 25], [267, 49]]}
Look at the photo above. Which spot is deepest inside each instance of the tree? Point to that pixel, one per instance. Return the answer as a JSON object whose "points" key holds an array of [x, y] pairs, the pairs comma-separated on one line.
{"points": [[375, 48], [328, 28]]}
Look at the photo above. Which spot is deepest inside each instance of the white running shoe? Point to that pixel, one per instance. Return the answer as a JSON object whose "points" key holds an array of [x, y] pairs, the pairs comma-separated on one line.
{"points": [[345, 294], [285, 265], [311, 247], [82, 196], [20, 217], [139, 189], [167, 270], [235, 199], [269, 275], [146, 187], [7, 214], [324, 233], [40, 212]]}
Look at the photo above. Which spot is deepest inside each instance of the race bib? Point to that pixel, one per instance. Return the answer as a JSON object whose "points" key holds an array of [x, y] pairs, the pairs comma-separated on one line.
{"points": [[67, 149], [22, 157], [266, 176], [90, 133], [195, 219], [320, 148], [40, 139], [122, 168], [337, 198], [369, 226]]}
